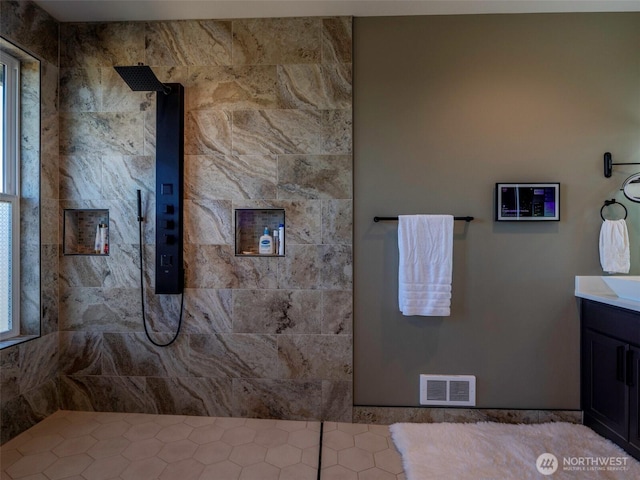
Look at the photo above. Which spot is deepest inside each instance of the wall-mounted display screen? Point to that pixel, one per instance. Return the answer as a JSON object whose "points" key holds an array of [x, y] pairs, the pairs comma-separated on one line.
{"points": [[527, 201]]}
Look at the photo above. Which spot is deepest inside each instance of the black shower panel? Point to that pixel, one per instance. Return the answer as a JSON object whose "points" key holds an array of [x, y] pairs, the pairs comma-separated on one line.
{"points": [[169, 190]]}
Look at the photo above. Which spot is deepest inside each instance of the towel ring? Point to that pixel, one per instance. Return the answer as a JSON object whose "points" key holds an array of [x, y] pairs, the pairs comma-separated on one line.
{"points": [[611, 202]]}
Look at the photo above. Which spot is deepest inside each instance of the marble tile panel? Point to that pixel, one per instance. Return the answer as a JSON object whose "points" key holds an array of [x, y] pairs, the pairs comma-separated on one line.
{"points": [[270, 41], [337, 401], [216, 266], [208, 222], [390, 415], [32, 26], [207, 132], [123, 218], [337, 312], [82, 270], [85, 133], [49, 89], [337, 40], [30, 172], [44, 399], [233, 355], [315, 357], [207, 311], [337, 222], [276, 311], [570, 416], [192, 42], [99, 309], [191, 396], [174, 74], [101, 44], [49, 160], [265, 398], [301, 268], [123, 175], [231, 88], [22, 412], [217, 177], [337, 267], [30, 105], [303, 221], [15, 414], [338, 131], [315, 177], [131, 354], [49, 306], [38, 362], [114, 95], [49, 221], [30, 223], [80, 177], [468, 415], [149, 144], [9, 373], [30, 311], [279, 132], [162, 314], [326, 87], [80, 89], [80, 353], [105, 394], [121, 267]]}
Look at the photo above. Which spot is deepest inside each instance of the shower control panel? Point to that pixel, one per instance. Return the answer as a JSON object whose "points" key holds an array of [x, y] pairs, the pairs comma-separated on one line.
{"points": [[169, 190]]}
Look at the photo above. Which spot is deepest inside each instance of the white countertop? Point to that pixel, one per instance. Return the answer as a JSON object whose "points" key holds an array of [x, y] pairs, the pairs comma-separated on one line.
{"points": [[594, 288]]}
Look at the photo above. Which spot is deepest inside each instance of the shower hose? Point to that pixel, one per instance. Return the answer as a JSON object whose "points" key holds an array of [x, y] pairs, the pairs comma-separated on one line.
{"points": [[144, 320]]}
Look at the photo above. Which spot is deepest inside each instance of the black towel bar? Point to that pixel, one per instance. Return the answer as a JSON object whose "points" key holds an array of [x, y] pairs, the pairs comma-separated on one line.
{"points": [[382, 219]]}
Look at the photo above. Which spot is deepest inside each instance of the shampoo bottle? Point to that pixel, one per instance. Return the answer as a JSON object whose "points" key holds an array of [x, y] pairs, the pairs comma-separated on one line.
{"points": [[266, 243]]}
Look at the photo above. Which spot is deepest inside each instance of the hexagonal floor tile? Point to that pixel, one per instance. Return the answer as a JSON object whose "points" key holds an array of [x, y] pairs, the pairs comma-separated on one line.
{"points": [[103, 446]]}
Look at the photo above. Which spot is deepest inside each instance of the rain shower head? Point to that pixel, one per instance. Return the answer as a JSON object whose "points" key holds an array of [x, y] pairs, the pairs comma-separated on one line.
{"points": [[141, 78]]}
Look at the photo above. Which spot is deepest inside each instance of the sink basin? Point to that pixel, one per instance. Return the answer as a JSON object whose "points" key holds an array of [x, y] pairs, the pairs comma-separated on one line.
{"points": [[625, 287]]}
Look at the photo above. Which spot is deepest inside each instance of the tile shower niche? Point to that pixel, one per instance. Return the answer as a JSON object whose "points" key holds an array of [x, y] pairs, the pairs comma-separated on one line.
{"points": [[250, 224], [85, 232]]}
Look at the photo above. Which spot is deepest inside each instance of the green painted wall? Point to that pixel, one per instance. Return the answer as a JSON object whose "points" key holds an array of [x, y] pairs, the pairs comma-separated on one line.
{"points": [[445, 107]]}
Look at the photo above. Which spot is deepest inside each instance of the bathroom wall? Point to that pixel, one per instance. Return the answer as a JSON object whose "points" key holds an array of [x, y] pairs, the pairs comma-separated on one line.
{"points": [[28, 371], [445, 107], [268, 124]]}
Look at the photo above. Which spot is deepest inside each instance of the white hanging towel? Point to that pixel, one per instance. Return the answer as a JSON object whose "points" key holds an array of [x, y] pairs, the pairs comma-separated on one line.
{"points": [[614, 247], [425, 243]]}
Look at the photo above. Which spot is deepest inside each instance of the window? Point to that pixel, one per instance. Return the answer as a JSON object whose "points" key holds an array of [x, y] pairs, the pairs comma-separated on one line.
{"points": [[9, 197]]}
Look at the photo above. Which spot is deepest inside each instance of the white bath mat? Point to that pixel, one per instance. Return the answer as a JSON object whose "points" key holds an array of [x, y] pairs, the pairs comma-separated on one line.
{"points": [[496, 451]]}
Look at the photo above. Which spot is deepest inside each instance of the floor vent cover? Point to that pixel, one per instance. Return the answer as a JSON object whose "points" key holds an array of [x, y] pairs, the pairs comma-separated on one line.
{"points": [[453, 390]]}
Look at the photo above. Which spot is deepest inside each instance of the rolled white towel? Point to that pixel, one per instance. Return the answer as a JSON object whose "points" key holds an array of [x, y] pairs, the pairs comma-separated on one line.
{"points": [[614, 247]]}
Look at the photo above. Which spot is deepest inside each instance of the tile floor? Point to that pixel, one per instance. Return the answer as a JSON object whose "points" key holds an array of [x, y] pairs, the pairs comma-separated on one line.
{"points": [[128, 446]]}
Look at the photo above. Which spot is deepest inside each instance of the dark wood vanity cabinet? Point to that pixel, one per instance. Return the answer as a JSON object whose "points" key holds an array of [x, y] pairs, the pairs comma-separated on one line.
{"points": [[610, 373]]}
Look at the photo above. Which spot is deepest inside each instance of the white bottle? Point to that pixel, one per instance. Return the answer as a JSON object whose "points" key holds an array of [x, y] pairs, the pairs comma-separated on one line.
{"points": [[104, 239], [276, 242], [281, 239], [266, 243], [97, 246]]}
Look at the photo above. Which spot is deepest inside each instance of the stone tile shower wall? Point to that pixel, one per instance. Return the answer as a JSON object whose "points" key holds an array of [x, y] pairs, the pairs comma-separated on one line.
{"points": [[268, 125], [29, 370]]}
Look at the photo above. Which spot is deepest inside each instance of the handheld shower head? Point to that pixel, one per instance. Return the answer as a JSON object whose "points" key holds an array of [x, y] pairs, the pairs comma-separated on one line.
{"points": [[141, 78]]}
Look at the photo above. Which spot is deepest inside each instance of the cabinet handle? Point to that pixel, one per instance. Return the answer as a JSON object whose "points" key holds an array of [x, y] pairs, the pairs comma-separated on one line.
{"points": [[620, 363], [630, 368]]}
